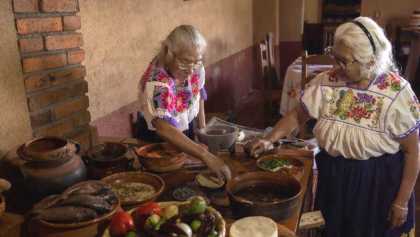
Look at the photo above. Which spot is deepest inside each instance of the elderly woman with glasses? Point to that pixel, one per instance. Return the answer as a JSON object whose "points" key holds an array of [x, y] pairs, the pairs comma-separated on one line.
{"points": [[367, 129], [172, 95]]}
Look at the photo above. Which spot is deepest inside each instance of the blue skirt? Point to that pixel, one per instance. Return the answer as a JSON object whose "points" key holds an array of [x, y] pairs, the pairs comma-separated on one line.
{"points": [[355, 196]]}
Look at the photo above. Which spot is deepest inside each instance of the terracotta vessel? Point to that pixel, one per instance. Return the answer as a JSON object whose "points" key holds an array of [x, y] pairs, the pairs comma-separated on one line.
{"points": [[108, 158], [277, 209], [51, 165], [136, 176], [172, 160]]}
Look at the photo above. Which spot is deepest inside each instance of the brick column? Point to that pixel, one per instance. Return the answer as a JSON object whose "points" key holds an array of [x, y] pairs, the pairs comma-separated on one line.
{"points": [[51, 54]]}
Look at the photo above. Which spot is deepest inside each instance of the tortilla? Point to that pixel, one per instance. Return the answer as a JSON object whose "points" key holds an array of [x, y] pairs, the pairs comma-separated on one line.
{"points": [[254, 226]]}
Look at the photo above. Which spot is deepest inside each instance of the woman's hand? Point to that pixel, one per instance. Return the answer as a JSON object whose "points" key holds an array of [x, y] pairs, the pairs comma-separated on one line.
{"points": [[218, 166], [397, 215], [258, 146]]}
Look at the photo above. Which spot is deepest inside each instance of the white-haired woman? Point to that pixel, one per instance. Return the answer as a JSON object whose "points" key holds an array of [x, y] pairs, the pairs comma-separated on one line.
{"points": [[367, 126], [172, 95]]}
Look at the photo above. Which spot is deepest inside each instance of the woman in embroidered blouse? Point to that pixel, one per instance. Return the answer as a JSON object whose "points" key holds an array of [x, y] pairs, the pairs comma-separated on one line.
{"points": [[172, 94], [367, 127]]}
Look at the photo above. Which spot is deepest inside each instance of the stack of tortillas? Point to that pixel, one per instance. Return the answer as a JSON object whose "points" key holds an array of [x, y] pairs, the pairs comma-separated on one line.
{"points": [[254, 226]]}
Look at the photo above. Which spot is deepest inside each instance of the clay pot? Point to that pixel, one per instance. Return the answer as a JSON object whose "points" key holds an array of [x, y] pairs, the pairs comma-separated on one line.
{"points": [[52, 164], [108, 158], [170, 160], [277, 209], [135, 176]]}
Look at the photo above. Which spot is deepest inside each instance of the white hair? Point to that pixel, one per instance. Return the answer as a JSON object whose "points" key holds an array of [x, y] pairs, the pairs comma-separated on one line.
{"points": [[354, 37], [182, 38]]}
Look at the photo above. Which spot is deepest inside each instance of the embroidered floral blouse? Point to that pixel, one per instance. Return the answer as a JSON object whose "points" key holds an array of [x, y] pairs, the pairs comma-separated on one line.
{"points": [[357, 123], [160, 97]]}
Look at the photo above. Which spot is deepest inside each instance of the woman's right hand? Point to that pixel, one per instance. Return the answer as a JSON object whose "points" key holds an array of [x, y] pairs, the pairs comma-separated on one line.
{"points": [[258, 146], [218, 166]]}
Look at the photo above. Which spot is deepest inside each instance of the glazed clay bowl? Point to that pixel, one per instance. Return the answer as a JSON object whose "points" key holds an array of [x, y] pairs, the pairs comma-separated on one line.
{"points": [[135, 176], [107, 158], [160, 157], [48, 149], [273, 195], [218, 137], [292, 166], [61, 226]]}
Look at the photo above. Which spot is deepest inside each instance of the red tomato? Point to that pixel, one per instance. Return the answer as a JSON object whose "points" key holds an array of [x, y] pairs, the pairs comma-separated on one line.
{"points": [[121, 223], [148, 209], [144, 211]]}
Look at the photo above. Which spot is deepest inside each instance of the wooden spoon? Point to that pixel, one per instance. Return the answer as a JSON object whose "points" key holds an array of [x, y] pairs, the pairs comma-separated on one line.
{"points": [[4, 185]]}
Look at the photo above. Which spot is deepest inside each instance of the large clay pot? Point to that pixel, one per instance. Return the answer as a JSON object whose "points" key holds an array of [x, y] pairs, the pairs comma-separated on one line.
{"points": [[108, 158], [51, 165]]}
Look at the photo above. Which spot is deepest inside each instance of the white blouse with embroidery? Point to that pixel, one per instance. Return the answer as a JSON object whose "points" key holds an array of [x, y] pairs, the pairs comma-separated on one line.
{"points": [[360, 124], [160, 97]]}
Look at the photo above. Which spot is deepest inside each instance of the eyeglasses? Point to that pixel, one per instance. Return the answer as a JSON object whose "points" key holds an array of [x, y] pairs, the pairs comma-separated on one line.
{"points": [[341, 62], [185, 64]]}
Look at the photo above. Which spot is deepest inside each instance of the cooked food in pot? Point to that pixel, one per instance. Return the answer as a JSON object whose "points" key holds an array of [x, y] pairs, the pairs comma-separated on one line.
{"points": [[133, 190], [265, 193]]}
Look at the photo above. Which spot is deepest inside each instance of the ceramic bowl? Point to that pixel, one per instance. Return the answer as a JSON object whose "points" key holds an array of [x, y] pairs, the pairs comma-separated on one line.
{"points": [[57, 226], [160, 157], [260, 188], [294, 167], [135, 176]]}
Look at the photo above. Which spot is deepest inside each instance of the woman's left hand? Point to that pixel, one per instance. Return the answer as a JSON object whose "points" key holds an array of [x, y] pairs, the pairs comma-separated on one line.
{"points": [[218, 166], [397, 215]]}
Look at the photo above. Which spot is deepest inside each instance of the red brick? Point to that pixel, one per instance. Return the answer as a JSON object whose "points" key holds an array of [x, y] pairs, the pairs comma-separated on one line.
{"points": [[41, 119], [37, 25], [71, 125], [36, 82], [45, 99], [25, 6], [71, 22], [56, 129], [67, 75], [84, 137], [66, 41], [28, 45], [56, 95], [42, 80], [75, 56], [43, 62], [69, 107], [59, 5]]}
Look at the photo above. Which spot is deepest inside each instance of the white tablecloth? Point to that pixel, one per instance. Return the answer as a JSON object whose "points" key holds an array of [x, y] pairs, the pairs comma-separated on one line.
{"points": [[292, 84]]}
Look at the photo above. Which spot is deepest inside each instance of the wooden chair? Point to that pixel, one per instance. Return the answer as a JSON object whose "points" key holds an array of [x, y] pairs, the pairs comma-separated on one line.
{"points": [[269, 77], [328, 35], [314, 59]]}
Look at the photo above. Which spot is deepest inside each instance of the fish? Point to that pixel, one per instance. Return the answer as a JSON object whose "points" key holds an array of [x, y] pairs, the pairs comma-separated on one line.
{"points": [[96, 203], [69, 214], [90, 189], [108, 195]]}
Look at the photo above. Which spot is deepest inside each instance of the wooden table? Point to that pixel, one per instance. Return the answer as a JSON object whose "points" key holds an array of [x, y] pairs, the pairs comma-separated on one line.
{"points": [[239, 163]]}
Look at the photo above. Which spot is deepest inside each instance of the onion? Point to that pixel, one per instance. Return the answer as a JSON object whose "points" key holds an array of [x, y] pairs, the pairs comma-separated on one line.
{"points": [[185, 228]]}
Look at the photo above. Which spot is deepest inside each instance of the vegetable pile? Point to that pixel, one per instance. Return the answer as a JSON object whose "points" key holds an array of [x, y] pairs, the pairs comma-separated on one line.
{"points": [[193, 219]]}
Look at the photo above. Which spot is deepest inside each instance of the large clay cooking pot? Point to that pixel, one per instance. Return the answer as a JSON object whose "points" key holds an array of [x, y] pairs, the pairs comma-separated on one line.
{"points": [[108, 158], [52, 165]]}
